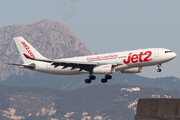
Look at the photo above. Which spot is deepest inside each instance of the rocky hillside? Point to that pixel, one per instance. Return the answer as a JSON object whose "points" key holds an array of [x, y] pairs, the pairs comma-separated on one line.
{"points": [[51, 39], [96, 102]]}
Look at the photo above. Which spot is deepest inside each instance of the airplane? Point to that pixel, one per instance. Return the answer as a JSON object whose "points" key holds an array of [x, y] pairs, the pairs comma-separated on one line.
{"points": [[131, 61]]}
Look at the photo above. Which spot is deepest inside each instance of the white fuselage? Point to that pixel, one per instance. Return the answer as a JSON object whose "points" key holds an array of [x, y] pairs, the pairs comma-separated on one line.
{"points": [[124, 60]]}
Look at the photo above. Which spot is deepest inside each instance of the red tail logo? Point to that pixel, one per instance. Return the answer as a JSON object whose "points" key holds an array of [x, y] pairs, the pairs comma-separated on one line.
{"points": [[28, 49], [135, 57]]}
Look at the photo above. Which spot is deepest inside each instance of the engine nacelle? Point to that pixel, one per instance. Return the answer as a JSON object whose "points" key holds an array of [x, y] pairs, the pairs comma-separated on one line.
{"points": [[132, 70], [104, 69]]}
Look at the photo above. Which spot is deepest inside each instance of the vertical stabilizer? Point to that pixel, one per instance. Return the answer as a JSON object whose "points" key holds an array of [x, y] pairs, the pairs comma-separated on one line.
{"points": [[25, 48]]}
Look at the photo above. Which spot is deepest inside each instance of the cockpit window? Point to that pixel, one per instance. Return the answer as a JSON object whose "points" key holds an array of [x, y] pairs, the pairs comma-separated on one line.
{"points": [[168, 51]]}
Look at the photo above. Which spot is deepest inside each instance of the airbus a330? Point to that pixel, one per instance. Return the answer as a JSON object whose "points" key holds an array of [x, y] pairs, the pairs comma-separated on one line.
{"points": [[127, 61]]}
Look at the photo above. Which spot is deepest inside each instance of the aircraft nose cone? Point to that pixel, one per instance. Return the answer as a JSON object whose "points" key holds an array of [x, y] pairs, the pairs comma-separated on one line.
{"points": [[174, 55]]}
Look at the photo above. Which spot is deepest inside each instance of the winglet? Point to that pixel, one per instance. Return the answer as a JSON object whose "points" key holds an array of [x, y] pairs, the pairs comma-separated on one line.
{"points": [[27, 56]]}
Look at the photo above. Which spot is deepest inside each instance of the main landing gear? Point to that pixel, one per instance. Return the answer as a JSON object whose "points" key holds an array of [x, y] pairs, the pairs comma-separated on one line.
{"points": [[91, 77], [159, 68], [103, 80]]}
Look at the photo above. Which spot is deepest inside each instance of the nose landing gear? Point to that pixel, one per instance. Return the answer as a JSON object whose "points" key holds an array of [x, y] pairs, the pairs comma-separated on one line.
{"points": [[159, 68]]}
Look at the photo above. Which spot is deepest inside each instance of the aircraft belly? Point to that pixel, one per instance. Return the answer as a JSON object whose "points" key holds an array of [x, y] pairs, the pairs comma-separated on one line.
{"points": [[138, 64], [121, 67]]}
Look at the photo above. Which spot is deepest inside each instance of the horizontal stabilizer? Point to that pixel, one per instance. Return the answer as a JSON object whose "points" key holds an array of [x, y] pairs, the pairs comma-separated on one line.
{"points": [[31, 66]]}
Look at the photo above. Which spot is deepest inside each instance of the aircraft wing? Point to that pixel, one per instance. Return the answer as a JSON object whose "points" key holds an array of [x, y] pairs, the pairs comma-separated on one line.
{"points": [[74, 64]]}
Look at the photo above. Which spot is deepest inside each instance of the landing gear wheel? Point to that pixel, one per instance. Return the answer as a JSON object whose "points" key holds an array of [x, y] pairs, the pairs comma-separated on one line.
{"points": [[108, 77], [92, 77], [104, 80], [159, 70], [87, 81]]}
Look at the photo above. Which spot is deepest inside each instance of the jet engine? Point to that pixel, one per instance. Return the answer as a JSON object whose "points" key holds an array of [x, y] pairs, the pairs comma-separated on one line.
{"points": [[104, 69], [132, 70]]}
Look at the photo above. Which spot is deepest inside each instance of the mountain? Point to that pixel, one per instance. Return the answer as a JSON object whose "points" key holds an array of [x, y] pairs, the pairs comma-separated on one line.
{"points": [[51, 39], [100, 102]]}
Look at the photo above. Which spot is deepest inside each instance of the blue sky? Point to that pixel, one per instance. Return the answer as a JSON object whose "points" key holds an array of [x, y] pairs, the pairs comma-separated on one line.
{"points": [[108, 26]]}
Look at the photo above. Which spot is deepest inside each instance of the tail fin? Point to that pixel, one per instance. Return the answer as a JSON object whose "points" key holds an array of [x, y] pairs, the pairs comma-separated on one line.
{"points": [[25, 48]]}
